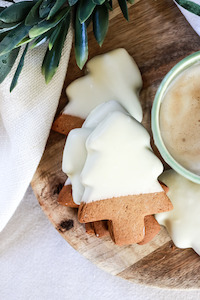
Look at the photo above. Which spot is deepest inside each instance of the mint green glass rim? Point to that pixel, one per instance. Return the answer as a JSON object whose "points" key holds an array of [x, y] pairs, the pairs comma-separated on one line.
{"points": [[168, 79]]}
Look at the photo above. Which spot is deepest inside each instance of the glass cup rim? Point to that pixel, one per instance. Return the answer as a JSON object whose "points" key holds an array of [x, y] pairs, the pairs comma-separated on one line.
{"points": [[171, 75]]}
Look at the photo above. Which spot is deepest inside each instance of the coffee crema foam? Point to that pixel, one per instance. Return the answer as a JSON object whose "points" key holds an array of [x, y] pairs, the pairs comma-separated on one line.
{"points": [[180, 119]]}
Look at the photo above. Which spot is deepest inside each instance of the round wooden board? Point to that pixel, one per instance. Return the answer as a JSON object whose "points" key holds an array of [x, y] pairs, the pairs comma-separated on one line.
{"points": [[157, 36]]}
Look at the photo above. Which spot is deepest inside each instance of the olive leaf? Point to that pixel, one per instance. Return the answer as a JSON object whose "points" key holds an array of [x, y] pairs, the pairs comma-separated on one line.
{"points": [[24, 41], [124, 8], [100, 23], [41, 39], [2, 35], [6, 63], [72, 2], [33, 16], [98, 2], [55, 8], [45, 25], [8, 27], [190, 6], [45, 8], [16, 12], [52, 58], [34, 22], [81, 42], [54, 36], [85, 9], [13, 38], [108, 4], [19, 69]]}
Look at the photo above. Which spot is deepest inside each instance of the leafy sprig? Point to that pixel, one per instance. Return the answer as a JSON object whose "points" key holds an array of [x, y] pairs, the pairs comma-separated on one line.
{"points": [[190, 6], [32, 23]]}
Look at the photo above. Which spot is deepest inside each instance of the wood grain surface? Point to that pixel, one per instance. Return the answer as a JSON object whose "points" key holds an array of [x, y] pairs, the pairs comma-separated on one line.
{"points": [[157, 36]]}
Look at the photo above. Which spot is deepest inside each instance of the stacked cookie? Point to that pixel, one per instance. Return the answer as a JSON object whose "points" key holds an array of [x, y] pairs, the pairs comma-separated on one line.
{"points": [[112, 76], [112, 171]]}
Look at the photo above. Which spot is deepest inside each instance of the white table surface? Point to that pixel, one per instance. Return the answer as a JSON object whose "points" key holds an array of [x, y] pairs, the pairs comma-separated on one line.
{"points": [[37, 263]]}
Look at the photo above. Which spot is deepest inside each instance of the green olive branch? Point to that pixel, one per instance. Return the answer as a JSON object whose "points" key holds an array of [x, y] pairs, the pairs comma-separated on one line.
{"points": [[32, 23]]}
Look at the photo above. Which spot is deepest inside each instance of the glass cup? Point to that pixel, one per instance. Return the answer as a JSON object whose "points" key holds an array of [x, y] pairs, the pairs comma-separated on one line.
{"points": [[168, 79]]}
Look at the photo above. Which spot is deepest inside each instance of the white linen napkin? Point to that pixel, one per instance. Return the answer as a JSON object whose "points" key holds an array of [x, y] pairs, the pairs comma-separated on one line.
{"points": [[26, 116]]}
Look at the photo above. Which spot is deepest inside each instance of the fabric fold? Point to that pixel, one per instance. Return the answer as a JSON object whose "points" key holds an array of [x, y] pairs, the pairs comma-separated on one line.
{"points": [[26, 116]]}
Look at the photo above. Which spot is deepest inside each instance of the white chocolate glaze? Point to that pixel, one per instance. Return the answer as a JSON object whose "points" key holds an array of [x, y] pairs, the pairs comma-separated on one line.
{"points": [[183, 222], [119, 161], [99, 113], [110, 156], [75, 152], [112, 76], [74, 157]]}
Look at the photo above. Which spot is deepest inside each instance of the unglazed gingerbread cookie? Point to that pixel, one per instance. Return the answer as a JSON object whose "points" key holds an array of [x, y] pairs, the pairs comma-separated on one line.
{"points": [[111, 76], [64, 123], [65, 198], [100, 228], [125, 214], [151, 229]]}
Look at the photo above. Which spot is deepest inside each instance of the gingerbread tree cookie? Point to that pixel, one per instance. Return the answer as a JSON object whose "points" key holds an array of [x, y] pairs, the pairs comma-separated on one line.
{"points": [[111, 76], [120, 178], [74, 160], [100, 228]]}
